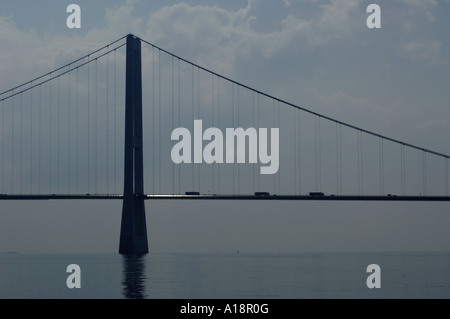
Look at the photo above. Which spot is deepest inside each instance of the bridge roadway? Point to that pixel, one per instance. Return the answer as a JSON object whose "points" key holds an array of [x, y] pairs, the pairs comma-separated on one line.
{"points": [[264, 196]]}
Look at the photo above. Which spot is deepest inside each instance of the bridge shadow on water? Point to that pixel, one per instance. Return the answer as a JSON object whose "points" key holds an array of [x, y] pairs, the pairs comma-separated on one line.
{"points": [[134, 277]]}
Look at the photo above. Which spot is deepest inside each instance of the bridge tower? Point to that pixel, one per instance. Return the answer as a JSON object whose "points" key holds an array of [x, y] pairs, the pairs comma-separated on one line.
{"points": [[133, 233]]}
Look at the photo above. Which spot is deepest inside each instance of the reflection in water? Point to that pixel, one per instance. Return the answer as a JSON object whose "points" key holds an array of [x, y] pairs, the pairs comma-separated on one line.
{"points": [[134, 276]]}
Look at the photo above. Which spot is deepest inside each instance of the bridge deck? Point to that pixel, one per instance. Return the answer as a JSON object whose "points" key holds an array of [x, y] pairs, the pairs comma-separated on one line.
{"points": [[232, 197]]}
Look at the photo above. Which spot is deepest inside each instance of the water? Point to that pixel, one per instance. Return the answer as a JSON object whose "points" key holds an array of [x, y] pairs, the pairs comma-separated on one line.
{"points": [[237, 275]]}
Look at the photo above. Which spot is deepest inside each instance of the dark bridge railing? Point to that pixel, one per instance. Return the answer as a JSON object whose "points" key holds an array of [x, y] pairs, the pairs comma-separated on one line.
{"points": [[393, 198]]}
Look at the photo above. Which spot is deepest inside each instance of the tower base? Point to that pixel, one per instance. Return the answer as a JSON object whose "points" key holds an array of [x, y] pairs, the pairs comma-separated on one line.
{"points": [[133, 232]]}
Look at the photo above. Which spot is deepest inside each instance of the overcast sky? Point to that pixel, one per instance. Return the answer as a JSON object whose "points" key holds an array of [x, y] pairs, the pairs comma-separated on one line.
{"points": [[317, 54]]}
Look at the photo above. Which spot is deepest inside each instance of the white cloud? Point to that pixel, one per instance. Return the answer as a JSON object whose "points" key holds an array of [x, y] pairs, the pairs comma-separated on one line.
{"points": [[217, 37], [26, 54], [337, 15], [121, 20], [210, 35]]}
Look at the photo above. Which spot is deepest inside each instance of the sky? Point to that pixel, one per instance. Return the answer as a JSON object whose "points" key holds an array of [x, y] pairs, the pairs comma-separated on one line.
{"points": [[317, 54]]}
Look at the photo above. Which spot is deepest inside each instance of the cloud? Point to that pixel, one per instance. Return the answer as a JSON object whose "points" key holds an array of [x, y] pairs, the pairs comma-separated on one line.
{"points": [[337, 16], [227, 40], [16, 46], [207, 34], [121, 19], [40, 53], [419, 40], [211, 35], [217, 37], [423, 50], [422, 8]]}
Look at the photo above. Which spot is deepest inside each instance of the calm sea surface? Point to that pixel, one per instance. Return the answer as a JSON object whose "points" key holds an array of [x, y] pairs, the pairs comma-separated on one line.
{"points": [[238, 275]]}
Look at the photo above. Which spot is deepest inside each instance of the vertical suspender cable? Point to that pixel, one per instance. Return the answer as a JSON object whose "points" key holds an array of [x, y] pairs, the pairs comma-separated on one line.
{"points": [[382, 166], [107, 122], [362, 161], [193, 117], [50, 140], [12, 144], [253, 123], [76, 140], [159, 115], [337, 158], [278, 126], [68, 137], [320, 153], [179, 119], [31, 138], [299, 151], [198, 106], [173, 122], [238, 123], [2, 148], [218, 124], [39, 139], [404, 169], [213, 124], [424, 173], [88, 126], [401, 170], [153, 121], [315, 151], [359, 160], [58, 134], [402, 159], [115, 122], [340, 160], [21, 144], [232, 115], [258, 109], [295, 151], [95, 128], [273, 125], [446, 176], [379, 166]]}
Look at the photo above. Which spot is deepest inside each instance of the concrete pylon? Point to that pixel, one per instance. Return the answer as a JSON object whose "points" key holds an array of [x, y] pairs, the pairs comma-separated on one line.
{"points": [[133, 232]]}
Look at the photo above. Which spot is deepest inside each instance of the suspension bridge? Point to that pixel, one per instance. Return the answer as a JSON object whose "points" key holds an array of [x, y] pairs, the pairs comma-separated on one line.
{"points": [[100, 127]]}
